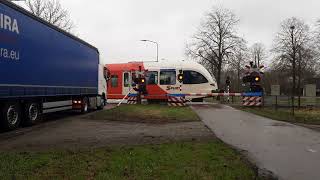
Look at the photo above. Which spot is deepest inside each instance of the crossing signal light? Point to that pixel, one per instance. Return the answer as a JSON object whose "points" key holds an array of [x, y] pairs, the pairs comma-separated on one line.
{"points": [[251, 79], [143, 86], [257, 79], [180, 77], [142, 80], [254, 77]]}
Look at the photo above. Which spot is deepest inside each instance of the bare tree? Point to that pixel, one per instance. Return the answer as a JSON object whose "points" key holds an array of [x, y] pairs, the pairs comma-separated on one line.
{"points": [[215, 41], [317, 33], [316, 39], [293, 37], [237, 63], [51, 11], [258, 53]]}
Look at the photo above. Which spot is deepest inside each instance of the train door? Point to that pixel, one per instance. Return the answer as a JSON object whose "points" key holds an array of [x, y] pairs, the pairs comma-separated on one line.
{"points": [[126, 83], [153, 89], [114, 86]]}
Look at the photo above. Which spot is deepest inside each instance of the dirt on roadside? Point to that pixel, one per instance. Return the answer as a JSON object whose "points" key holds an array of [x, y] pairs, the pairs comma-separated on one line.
{"points": [[310, 126]]}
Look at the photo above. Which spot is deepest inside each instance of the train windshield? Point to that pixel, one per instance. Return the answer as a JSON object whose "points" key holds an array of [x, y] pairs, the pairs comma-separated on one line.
{"points": [[193, 77]]}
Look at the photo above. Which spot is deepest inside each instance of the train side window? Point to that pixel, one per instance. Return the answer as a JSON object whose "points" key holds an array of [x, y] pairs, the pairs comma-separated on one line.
{"points": [[168, 77], [152, 77], [114, 81], [126, 79], [193, 77]]}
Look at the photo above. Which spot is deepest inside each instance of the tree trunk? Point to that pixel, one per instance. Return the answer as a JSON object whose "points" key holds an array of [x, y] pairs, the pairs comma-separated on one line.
{"points": [[238, 83], [293, 70], [293, 79], [219, 78], [299, 78], [219, 69]]}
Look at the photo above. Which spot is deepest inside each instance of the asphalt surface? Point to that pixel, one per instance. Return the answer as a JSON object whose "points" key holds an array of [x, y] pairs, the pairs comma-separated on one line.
{"points": [[289, 151], [68, 130]]}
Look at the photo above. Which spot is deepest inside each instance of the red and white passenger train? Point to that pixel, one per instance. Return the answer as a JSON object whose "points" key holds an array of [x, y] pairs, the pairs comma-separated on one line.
{"points": [[161, 79]]}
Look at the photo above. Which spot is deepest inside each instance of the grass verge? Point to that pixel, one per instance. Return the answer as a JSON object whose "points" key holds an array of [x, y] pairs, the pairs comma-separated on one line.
{"points": [[306, 116], [147, 113], [186, 160]]}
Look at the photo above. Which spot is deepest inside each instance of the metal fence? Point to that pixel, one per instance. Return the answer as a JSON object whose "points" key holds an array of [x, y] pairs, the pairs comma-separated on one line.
{"points": [[272, 101]]}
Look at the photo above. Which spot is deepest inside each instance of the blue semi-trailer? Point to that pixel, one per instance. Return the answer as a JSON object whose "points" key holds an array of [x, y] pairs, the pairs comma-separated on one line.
{"points": [[44, 69]]}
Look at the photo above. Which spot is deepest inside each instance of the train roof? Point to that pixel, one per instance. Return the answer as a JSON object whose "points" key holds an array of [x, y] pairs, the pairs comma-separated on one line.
{"points": [[157, 65], [192, 65], [173, 64]]}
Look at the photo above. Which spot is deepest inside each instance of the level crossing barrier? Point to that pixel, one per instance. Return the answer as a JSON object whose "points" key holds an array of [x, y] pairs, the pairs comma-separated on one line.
{"points": [[249, 98], [177, 101], [252, 101], [249, 94], [132, 100]]}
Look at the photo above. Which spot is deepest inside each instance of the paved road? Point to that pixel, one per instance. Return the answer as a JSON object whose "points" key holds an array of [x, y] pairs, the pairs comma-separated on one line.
{"points": [[289, 151], [67, 130]]}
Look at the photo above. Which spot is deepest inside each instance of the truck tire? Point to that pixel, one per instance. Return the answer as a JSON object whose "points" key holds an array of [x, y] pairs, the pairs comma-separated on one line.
{"points": [[32, 114], [10, 116], [85, 106]]}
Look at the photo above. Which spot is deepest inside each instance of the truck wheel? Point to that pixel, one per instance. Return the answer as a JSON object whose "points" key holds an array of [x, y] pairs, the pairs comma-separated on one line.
{"points": [[85, 106], [11, 116], [32, 114]]}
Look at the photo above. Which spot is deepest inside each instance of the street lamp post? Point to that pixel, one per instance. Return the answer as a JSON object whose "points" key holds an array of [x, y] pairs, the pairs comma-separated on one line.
{"points": [[145, 40]]}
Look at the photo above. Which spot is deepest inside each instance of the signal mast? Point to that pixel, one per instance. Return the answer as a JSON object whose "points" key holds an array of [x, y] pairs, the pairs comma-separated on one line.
{"points": [[253, 76]]}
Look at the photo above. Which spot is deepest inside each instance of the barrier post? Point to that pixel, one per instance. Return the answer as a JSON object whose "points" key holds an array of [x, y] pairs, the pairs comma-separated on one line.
{"points": [[139, 86], [292, 100], [263, 98]]}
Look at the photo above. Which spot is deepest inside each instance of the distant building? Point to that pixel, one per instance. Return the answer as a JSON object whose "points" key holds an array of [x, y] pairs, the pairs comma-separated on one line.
{"points": [[315, 81]]}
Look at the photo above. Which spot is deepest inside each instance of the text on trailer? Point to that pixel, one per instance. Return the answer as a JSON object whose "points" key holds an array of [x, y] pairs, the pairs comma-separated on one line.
{"points": [[8, 23]]}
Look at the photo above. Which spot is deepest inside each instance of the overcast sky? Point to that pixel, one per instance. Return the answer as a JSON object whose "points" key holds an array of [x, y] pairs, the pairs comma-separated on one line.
{"points": [[116, 26]]}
